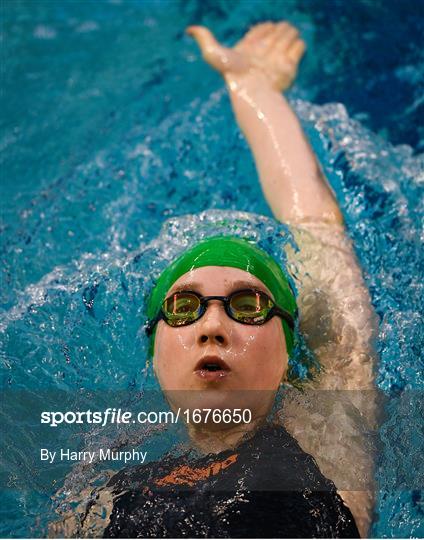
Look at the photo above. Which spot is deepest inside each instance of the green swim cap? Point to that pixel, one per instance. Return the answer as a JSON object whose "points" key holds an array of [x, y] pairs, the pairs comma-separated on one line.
{"points": [[236, 253]]}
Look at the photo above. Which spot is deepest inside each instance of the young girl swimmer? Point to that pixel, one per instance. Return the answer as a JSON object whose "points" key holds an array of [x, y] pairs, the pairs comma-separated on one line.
{"points": [[222, 324]]}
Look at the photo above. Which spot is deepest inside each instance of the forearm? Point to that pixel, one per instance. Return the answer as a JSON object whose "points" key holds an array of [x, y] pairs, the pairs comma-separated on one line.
{"points": [[291, 179]]}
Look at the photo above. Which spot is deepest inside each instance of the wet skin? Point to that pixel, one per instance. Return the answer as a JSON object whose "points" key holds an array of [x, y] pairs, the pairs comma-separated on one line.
{"points": [[252, 360]]}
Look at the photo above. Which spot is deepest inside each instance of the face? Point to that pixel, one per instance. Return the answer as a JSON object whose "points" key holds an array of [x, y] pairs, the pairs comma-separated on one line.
{"points": [[252, 360]]}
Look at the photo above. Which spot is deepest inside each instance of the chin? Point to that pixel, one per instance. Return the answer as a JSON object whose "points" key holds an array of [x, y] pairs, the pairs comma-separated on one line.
{"points": [[202, 398]]}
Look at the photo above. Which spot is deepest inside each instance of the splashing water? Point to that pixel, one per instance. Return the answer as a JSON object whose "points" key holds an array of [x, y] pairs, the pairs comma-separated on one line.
{"points": [[111, 171]]}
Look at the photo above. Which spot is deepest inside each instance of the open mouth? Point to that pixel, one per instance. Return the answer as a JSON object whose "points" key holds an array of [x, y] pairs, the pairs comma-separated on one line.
{"points": [[211, 368]]}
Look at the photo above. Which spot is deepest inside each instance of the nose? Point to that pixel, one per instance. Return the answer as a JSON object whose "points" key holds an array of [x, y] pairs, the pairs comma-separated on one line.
{"points": [[212, 324]]}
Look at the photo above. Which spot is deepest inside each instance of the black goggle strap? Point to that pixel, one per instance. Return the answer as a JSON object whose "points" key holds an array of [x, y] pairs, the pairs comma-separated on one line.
{"points": [[285, 315], [152, 323]]}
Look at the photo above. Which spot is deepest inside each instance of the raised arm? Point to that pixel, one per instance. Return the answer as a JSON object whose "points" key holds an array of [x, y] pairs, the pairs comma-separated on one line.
{"points": [[336, 312], [257, 70]]}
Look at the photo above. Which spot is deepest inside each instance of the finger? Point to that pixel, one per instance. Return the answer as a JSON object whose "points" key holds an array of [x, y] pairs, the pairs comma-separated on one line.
{"points": [[219, 57], [275, 37], [214, 54], [287, 36], [255, 36], [204, 37], [258, 32], [281, 29], [267, 43], [296, 51]]}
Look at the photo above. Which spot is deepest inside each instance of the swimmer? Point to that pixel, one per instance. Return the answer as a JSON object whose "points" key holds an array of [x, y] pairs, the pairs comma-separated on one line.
{"points": [[222, 320]]}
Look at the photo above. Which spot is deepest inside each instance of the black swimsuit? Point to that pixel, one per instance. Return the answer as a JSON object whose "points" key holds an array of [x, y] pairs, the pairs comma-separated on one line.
{"points": [[267, 487]]}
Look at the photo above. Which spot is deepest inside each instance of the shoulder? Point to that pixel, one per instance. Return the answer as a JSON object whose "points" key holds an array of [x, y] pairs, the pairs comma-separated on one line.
{"points": [[281, 461], [295, 478], [275, 438]]}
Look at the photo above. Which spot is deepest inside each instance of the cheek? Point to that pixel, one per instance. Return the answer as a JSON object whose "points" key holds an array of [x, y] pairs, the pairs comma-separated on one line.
{"points": [[169, 356], [265, 339], [266, 353], [161, 358]]}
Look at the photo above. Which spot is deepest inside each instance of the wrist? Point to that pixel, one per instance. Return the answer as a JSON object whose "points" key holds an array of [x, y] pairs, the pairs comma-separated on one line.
{"points": [[251, 82]]}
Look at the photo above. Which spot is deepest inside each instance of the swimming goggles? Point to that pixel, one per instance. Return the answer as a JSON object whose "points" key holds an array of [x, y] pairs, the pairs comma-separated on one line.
{"points": [[247, 306]]}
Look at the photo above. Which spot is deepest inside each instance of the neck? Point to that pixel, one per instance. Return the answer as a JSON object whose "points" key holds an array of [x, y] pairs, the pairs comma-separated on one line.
{"points": [[218, 440]]}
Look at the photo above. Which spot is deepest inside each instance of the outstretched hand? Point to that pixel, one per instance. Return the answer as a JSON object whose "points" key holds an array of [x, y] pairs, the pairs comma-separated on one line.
{"points": [[269, 51]]}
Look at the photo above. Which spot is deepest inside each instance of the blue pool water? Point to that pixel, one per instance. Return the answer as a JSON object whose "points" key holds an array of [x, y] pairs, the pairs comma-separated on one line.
{"points": [[112, 124]]}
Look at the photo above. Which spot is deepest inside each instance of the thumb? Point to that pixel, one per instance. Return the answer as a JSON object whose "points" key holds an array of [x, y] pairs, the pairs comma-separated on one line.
{"points": [[215, 54]]}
